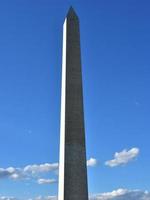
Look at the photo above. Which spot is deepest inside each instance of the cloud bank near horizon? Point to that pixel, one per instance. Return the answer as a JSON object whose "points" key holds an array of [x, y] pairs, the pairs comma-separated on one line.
{"points": [[119, 194]]}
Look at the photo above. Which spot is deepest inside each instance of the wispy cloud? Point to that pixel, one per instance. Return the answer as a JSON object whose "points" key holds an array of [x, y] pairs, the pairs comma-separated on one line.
{"points": [[7, 198], [123, 157], [45, 198], [46, 181]]}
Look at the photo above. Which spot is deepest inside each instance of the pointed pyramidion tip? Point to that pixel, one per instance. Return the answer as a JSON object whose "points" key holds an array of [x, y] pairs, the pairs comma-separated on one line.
{"points": [[71, 13]]}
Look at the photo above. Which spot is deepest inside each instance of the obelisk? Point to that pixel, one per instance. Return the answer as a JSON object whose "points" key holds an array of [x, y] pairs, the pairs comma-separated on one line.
{"points": [[72, 164]]}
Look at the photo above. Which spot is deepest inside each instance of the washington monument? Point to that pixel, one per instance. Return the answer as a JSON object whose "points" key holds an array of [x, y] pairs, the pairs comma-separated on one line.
{"points": [[72, 164]]}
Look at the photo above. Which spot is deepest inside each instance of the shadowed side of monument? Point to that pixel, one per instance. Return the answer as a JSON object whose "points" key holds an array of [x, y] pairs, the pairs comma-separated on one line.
{"points": [[72, 170]]}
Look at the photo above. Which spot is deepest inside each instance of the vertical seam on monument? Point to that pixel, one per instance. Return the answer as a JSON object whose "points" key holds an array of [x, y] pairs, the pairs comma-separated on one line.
{"points": [[62, 125]]}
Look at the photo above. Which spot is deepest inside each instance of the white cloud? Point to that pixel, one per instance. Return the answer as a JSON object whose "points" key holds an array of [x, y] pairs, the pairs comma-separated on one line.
{"points": [[35, 170], [92, 162], [46, 181], [47, 167], [10, 172], [27, 172], [123, 157], [122, 194], [15, 176]]}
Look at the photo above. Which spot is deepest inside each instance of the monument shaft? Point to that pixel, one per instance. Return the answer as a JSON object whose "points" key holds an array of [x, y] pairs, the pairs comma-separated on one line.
{"points": [[72, 166]]}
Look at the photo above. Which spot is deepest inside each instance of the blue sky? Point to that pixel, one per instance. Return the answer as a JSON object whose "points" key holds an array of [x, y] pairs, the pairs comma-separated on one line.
{"points": [[115, 45]]}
